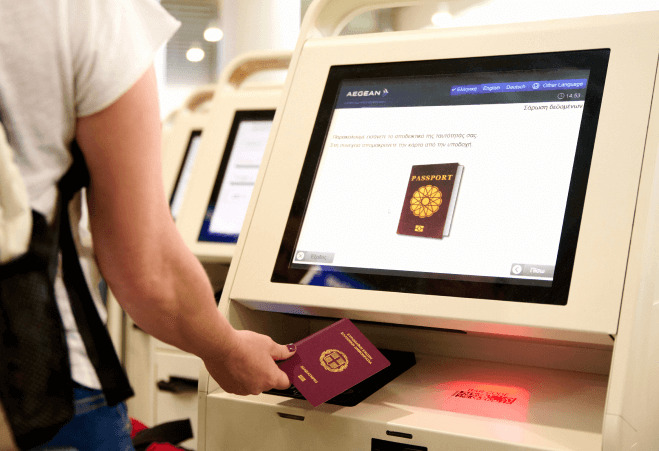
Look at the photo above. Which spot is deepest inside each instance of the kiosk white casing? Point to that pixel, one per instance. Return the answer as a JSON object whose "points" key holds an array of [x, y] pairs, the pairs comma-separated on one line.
{"points": [[235, 94], [588, 367]]}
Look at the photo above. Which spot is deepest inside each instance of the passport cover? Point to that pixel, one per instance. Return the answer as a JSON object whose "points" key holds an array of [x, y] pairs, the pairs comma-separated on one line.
{"points": [[331, 361], [428, 200]]}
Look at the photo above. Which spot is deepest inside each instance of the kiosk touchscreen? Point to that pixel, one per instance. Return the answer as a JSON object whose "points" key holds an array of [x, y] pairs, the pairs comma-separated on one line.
{"points": [[485, 198], [427, 165], [236, 176], [223, 175]]}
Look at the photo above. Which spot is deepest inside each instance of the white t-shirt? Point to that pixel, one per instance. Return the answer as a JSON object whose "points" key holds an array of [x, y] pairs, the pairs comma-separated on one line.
{"points": [[60, 60]]}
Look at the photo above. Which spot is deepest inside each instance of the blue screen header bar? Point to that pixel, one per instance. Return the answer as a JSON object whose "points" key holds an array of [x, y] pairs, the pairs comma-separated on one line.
{"points": [[466, 89]]}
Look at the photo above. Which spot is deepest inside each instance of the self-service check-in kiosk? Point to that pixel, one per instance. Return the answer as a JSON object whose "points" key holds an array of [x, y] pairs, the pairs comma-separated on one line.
{"points": [[489, 198], [223, 177], [234, 129], [198, 103], [181, 142]]}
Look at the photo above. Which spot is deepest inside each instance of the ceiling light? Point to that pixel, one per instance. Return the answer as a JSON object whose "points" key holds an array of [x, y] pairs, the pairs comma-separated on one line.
{"points": [[195, 53], [213, 32]]}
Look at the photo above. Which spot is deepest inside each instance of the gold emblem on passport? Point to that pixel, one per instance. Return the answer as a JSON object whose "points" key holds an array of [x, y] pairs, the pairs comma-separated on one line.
{"points": [[418, 228], [425, 201], [334, 360]]}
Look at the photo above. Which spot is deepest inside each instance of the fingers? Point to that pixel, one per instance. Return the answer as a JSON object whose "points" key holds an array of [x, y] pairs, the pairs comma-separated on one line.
{"points": [[251, 368], [282, 352]]}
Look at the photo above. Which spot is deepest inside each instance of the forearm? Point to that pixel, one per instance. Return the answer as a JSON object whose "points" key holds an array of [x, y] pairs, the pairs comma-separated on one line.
{"points": [[153, 275], [170, 297], [142, 257]]}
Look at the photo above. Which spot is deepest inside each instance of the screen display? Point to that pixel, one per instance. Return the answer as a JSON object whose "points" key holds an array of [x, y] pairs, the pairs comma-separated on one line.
{"points": [[184, 173], [467, 178], [236, 176]]}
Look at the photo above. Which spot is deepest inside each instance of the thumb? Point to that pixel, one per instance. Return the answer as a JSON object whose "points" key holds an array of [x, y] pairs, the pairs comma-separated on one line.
{"points": [[283, 382], [283, 352]]}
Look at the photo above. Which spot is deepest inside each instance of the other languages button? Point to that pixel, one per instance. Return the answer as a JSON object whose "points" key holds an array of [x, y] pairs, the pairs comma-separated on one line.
{"points": [[319, 258], [544, 271]]}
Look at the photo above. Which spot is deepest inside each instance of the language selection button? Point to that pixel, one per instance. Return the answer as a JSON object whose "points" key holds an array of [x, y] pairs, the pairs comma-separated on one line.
{"points": [[519, 269], [321, 258]]}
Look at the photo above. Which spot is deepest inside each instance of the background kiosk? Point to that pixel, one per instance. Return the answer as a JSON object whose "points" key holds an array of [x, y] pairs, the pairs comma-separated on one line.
{"points": [[223, 176], [181, 143], [535, 320], [164, 377]]}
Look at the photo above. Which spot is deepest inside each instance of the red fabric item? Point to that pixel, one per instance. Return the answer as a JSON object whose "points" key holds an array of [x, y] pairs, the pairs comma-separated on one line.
{"points": [[138, 426], [162, 447]]}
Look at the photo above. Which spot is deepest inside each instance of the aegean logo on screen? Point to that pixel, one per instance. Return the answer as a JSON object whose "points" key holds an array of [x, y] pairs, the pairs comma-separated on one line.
{"points": [[381, 93]]}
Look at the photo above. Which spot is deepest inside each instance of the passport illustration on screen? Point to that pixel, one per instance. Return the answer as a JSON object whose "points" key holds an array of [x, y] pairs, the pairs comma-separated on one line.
{"points": [[430, 200], [331, 361]]}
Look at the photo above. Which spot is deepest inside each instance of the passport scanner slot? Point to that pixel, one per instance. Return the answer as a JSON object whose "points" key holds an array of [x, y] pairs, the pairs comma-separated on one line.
{"points": [[483, 378], [401, 361], [399, 434], [290, 416]]}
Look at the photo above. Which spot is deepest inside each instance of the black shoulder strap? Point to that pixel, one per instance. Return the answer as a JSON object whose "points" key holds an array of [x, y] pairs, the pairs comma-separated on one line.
{"points": [[100, 350]]}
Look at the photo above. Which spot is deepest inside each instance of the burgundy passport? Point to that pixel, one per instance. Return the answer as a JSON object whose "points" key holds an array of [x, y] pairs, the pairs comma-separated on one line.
{"points": [[331, 361]]}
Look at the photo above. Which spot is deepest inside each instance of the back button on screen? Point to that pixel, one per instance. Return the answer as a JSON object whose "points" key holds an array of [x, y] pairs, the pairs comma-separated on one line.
{"points": [[320, 258]]}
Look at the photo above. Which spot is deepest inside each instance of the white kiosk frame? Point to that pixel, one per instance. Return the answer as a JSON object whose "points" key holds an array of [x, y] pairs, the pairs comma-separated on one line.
{"points": [[234, 93], [589, 367]]}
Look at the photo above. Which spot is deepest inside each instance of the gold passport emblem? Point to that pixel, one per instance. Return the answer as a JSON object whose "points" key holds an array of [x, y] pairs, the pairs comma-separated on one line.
{"points": [[426, 201], [334, 360], [418, 228]]}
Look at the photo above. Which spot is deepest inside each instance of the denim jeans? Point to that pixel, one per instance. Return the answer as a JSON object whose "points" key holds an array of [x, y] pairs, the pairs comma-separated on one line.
{"points": [[95, 427]]}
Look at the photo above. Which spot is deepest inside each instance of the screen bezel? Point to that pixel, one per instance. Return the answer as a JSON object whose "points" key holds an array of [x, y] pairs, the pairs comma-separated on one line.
{"points": [[239, 117], [447, 285]]}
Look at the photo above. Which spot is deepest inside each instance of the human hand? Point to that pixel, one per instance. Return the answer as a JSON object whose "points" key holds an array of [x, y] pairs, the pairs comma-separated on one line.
{"points": [[250, 368]]}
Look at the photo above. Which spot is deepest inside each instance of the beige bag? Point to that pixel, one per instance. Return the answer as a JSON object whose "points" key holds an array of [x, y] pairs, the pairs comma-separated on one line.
{"points": [[15, 231], [6, 436], [15, 212]]}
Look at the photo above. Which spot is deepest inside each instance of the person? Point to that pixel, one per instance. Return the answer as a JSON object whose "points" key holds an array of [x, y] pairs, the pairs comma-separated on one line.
{"points": [[83, 70]]}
